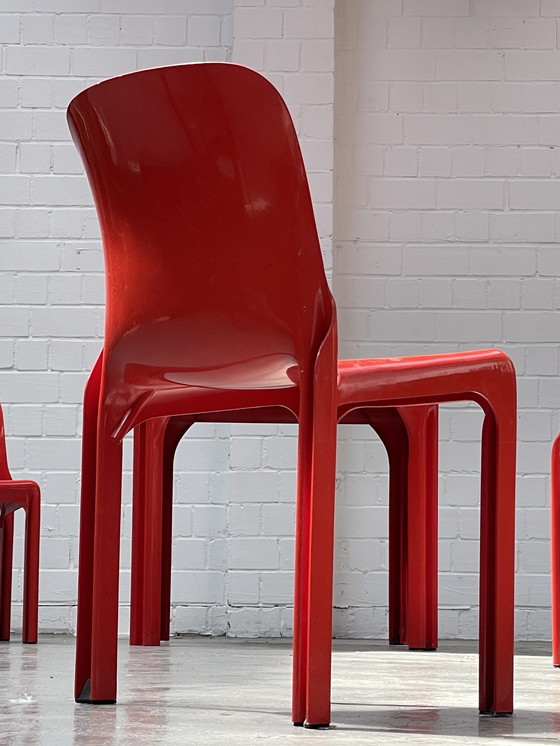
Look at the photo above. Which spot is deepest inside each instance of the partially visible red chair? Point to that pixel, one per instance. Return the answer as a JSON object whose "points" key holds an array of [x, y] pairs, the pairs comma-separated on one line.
{"points": [[14, 494], [555, 549], [410, 437], [217, 301]]}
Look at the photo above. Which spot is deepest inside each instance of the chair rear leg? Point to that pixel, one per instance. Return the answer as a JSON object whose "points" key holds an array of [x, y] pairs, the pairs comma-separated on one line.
{"points": [[391, 430], [176, 429], [422, 527], [6, 557], [555, 549], [146, 533], [31, 568]]}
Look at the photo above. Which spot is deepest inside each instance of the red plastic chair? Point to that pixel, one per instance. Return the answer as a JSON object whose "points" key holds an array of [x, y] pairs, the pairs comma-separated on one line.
{"points": [[217, 301], [14, 494], [410, 436], [555, 549]]}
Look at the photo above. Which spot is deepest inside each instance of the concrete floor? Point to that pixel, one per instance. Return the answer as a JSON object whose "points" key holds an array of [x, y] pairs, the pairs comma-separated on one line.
{"points": [[217, 691]]}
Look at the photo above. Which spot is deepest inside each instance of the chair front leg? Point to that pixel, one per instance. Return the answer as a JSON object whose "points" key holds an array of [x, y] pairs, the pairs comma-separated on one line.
{"points": [[6, 557], [31, 566], [82, 673], [497, 557], [301, 570], [100, 686]]}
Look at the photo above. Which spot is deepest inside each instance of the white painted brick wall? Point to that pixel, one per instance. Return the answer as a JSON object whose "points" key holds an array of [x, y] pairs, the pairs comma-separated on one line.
{"points": [[445, 118], [451, 108]]}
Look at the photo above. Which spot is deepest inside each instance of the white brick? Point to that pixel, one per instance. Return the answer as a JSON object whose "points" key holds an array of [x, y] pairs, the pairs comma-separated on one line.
{"points": [[533, 195], [199, 586], [253, 554], [539, 326], [103, 61], [7, 223], [28, 387], [506, 33], [506, 8], [49, 125], [415, 65], [438, 130], [316, 23], [60, 190], [37, 29], [9, 28], [37, 60], [531, 65], [103, 30], [15, 125], [404, 33], [66, 355], [468, 162], [31, 223], [317, 55], [469, 65], [401, 162], [437, 33], [34, 157], [434, 161], [405, 97], [70, 28], [25, 420], [260, 23], [502, 161], [36, 92], [436, 7], [538, 34], [490, 130], [8, 93], [470, 194], [57, 322], [204, 30], [7, 157], [474, 97], [525, 97], [60, 420], [140, 29]]}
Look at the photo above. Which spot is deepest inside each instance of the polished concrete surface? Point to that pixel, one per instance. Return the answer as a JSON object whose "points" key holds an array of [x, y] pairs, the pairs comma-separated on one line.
{"points": [[217, 691]]}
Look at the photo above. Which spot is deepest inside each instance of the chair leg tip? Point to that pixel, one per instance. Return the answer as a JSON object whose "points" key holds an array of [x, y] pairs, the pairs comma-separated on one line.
{"points": [[317, 726], [84, 698]]}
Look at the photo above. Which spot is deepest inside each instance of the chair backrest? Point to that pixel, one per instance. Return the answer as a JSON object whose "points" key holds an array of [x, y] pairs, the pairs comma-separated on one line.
{"points": [[211, 251]]}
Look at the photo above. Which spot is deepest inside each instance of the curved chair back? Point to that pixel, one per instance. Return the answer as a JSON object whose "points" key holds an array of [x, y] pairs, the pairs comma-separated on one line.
{"points": [[213, 266]]}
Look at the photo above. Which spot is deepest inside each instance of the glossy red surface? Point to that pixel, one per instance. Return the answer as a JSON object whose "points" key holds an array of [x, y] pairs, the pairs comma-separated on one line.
{"points": [[15, 494], [555, 548], [217, 301]]}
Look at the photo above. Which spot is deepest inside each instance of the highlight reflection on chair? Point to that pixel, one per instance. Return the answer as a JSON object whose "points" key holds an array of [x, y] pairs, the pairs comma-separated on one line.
{"points": [[217, 301]]}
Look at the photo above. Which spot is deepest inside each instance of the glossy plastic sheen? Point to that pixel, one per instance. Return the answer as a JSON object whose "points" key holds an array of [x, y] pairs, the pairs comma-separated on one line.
{"points": [[15, 494], [555, 548], [217, 301]]}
